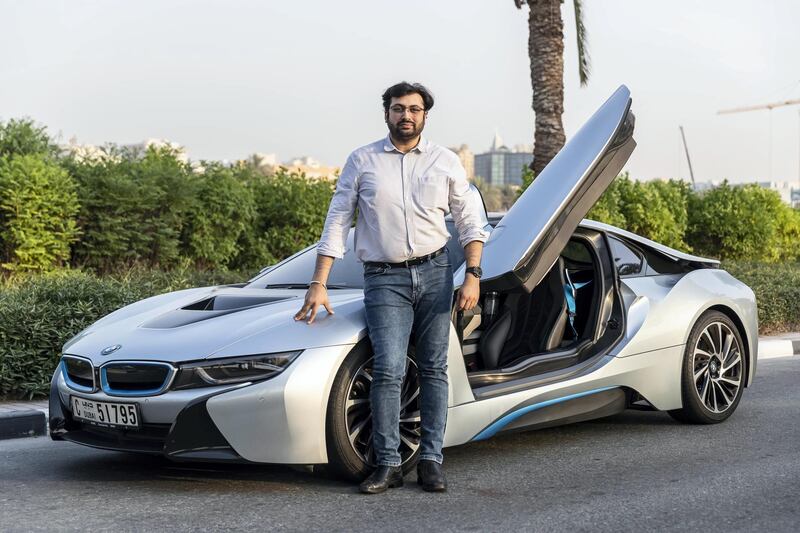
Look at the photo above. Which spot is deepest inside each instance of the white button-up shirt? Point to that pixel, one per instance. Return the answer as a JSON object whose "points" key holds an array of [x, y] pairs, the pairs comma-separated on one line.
{"points": [[402, 200]]}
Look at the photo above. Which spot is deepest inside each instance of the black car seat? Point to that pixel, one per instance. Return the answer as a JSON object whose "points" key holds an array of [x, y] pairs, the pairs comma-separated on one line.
{"points": [[528, 323]]}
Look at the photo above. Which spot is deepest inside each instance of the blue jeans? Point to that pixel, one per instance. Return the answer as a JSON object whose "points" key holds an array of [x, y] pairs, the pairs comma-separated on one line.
{"points": [[401, 304]]}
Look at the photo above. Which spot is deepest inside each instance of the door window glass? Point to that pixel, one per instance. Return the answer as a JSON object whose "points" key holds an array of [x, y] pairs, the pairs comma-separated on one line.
{"points": [[627, 261]]}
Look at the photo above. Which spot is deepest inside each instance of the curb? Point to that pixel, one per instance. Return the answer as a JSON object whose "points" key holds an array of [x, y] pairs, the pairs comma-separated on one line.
{"points": [[768, 349], [23, 423]]}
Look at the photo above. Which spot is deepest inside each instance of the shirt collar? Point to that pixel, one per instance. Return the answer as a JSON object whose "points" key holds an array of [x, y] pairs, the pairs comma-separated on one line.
{"points": [[422, 145]]}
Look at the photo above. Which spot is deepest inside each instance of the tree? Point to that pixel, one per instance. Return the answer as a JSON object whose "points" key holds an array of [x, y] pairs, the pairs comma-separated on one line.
{"points": [[224, 209], [38, 205], [133, 208], [23, 137], [546, 53], [741, 222], [290, 214]]}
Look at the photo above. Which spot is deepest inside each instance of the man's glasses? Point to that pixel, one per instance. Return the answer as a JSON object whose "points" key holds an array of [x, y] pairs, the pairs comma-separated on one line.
{"points": [[400, 109]]}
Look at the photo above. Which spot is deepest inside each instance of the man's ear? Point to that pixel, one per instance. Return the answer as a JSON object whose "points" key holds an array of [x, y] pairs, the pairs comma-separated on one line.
{"points": [[386, 116]]}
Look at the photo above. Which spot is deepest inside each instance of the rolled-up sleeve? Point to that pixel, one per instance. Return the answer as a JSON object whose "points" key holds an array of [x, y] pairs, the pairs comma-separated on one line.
{"points": [[340, 212], [465, 210]]}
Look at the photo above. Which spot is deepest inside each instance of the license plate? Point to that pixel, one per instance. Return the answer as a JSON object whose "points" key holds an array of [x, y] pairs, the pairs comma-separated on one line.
{"points": [[105, 413]]}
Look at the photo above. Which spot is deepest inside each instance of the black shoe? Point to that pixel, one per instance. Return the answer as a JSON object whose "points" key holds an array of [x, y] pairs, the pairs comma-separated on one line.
{"points": [[430, 476], [384, 477]]}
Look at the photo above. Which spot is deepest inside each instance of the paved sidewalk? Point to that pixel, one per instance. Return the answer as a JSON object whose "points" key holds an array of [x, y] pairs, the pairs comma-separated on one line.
{"points": [[28, 419]]}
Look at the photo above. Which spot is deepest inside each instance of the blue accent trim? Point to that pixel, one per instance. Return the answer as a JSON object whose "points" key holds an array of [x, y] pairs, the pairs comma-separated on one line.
{"points": [[71, 384], [132, 393], [499, 424]]}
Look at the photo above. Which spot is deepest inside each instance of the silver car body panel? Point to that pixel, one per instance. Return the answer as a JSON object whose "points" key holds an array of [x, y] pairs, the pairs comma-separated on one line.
{"points": [[527, 240], [282, 420], [266, 328], [666, 250]]}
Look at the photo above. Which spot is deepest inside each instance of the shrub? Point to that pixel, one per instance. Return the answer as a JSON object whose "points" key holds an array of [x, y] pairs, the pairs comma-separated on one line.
{"points": [[787, 241], [736, 222], [224, 209], [132, 209], [291, 211], [23, 137], [38, 314], [654, 209], [38, 204], [777, 289]]}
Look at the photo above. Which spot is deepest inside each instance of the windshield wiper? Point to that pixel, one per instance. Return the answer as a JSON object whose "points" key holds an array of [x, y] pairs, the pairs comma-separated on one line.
{"points": [[302, 286]]}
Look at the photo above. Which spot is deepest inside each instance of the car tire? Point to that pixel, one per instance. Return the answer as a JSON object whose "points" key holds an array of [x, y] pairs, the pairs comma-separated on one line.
{"points": [[347, 409], [713, 371]]}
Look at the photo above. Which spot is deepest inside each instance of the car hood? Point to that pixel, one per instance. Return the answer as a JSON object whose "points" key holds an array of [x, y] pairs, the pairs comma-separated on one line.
{"points": [[213, 322]]}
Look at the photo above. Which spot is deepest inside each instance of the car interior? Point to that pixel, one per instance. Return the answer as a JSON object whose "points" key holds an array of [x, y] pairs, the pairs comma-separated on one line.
{"points": [[514, 334]]}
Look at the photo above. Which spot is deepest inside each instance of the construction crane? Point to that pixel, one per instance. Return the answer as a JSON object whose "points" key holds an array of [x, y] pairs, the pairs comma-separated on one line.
{"points": [[769, 107], [688, 160]]}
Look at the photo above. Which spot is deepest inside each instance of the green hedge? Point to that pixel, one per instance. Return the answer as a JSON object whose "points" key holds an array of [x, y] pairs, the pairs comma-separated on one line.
{"points": [[39, 313], [151, 207], [777, 288]]}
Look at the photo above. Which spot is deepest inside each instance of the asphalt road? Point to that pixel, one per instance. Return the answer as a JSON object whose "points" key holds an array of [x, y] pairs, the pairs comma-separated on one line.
{"points": [[631, 472]]}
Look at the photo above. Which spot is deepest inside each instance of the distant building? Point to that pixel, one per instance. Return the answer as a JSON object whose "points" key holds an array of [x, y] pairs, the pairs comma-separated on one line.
{"points": [[311, 168], [264, 163], [178, 150], [86, 153], [501, 165], [789, 194], [90, 152], [467, 159]]}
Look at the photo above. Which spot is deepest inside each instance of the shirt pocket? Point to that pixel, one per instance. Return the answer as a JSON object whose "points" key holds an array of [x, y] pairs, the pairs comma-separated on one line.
{"points": [[432, 190]]}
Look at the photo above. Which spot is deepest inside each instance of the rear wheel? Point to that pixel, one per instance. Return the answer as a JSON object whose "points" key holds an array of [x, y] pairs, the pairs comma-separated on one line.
{"points": [[349, 417], [712, 377]]}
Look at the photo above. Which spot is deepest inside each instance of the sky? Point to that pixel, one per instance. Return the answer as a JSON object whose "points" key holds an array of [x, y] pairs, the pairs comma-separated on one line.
{"points": [[230, 78]]}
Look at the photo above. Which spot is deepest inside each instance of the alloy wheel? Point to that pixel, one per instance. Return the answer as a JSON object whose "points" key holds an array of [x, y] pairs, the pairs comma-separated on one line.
{"points": [[358, 413], [717, 366]]}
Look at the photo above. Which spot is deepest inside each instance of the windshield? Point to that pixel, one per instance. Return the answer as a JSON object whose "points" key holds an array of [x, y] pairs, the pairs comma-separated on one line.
{"points": [[346, 273]]}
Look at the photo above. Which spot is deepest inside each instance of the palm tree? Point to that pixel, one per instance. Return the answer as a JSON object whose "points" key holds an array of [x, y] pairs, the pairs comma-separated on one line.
{"points": [[546, 52]]}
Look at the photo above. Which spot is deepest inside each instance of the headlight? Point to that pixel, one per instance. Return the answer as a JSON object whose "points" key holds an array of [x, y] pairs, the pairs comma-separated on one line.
{"points": [[232, 370]]}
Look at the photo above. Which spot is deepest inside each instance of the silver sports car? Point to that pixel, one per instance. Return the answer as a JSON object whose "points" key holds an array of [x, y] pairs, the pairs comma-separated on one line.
{"points": [[576, 320]]}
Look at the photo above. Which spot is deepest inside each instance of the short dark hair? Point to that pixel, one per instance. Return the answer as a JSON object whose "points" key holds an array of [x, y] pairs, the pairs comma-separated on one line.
{"points": [[403, 88]]}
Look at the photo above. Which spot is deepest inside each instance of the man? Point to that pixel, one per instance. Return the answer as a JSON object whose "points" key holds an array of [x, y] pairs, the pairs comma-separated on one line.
{"points": [[403, 186]]}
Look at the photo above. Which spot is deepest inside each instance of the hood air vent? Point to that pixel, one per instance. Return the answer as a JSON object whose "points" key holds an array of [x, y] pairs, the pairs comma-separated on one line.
{"points": [[210, 308]]}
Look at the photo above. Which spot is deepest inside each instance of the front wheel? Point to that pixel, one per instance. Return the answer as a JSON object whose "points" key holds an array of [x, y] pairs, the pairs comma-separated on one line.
{"points": [[712, 377], [349, 417]]}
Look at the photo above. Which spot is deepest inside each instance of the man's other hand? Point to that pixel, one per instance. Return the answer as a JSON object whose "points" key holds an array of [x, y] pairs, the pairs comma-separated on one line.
{"points": [[469, 293], [316, 295]]}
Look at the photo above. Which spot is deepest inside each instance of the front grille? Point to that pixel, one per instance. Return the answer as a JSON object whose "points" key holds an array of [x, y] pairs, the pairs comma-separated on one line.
{"points": [[78, 373], [148, 438], [135, 379]]}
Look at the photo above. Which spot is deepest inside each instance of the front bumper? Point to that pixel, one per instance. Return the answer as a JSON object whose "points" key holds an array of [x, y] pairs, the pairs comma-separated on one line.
{"points": [[189, 435], [280, 420]]}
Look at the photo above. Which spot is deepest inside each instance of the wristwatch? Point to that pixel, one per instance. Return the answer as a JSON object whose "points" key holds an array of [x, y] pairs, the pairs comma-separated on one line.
{"points": [[475, 271]]}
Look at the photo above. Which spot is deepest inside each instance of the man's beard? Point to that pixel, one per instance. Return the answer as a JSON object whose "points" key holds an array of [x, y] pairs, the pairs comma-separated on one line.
{"points": [[405, 134]]}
